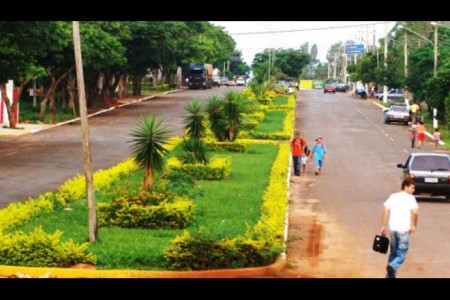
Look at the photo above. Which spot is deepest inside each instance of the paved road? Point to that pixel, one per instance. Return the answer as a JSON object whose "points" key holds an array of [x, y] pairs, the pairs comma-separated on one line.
{"points": [[359, 173], [43, 161]]}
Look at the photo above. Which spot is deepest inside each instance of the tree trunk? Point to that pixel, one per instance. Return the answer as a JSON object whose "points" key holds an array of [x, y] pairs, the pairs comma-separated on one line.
{"points": [[63, 98], [148, 179], [50, 95], [137, 85], [70, 90], [120, 87], [9, 107], [155, 73]]}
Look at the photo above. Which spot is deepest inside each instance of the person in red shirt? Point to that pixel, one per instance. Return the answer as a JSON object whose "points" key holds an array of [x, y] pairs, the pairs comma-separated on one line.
{"points": [[297, 144]]}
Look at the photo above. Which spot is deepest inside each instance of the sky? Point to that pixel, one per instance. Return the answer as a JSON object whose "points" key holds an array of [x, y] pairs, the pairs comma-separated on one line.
{"points": [[296, 33]]}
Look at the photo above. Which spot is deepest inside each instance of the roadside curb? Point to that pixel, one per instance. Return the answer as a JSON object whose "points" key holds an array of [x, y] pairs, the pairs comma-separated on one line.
{"points": [[257, 272]]}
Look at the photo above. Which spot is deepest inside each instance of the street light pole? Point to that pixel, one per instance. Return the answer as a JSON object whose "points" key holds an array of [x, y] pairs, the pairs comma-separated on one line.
{"points": [[435, 48], [405, 54], [385, 61]]}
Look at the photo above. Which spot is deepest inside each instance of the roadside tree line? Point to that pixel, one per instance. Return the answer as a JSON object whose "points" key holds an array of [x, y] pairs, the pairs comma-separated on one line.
{"points": [[114, 53]]}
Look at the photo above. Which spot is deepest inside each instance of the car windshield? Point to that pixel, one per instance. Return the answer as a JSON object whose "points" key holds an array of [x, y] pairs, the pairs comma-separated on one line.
{"points": [[431, 163]]}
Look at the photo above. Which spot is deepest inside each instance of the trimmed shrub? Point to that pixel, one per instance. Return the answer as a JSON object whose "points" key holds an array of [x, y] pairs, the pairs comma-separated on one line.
{"points": [[236, 146], [206, 253], [147, 210], [40, 249], [218, 168]]}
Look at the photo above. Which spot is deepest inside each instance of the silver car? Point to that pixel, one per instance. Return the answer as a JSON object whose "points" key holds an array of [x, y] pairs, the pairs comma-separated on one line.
{"points": [[430, 172], [397, 113]]}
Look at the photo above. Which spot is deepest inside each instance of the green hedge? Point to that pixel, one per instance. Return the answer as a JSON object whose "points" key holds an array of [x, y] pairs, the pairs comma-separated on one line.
{"points": [[139, 213], [40, 249], [218, 168]]}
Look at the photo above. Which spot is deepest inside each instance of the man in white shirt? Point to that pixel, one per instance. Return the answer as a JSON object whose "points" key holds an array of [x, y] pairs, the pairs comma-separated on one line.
{"points": [[402, 210]]}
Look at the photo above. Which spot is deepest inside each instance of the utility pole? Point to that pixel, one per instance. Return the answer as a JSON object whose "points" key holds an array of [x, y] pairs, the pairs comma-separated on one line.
{"points": [[435, 48], [405, 54], [385, 61], [335, 64], [85, 131]]}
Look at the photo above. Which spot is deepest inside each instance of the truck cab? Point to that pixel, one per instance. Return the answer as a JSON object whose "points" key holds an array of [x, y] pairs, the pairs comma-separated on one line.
{"points": [[200, 76]]}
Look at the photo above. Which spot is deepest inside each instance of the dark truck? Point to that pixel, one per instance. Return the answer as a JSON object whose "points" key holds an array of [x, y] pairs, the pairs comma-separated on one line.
{"points": [[200, 76]]}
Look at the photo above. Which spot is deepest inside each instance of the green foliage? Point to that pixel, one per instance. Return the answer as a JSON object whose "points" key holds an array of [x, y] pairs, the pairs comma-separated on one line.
{"points": [[20, 212], [232, 115], [193, 152], [147, 146], [236, 146], [214, 110], [39, 249], [204, 252], [147, 210], [217, 168], [195, 121], [288, 64]]}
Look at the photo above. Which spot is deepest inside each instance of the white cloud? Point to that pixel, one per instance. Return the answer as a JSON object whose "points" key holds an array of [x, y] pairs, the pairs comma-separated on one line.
{"points": [[295, 33]]}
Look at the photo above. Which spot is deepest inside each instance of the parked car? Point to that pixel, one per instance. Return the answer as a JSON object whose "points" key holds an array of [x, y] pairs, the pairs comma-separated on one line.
{"points": [[216, 80], [397, 113], [341, 87], [227, 82], [430, 172], [240, 81], [329, 88], [391, 94]]}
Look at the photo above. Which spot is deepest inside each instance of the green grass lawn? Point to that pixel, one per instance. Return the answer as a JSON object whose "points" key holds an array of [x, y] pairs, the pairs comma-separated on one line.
{"points": [[280, 100], [31, 114], [226, 208], [273, 122]]}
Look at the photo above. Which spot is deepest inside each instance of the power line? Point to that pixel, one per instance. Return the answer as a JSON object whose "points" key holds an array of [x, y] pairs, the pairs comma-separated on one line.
{"points": [[305, 29]]}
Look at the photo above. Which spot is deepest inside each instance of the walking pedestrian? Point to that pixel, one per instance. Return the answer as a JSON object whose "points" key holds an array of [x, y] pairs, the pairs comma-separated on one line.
{"points": [[414, 109], [413, 134], [318, 153], [436, 138], [420, 134], [402, 210], [297, 144]]}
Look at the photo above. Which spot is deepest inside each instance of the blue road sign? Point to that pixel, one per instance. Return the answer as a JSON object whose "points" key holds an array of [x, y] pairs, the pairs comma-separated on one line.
{"points": [[354, 49]]}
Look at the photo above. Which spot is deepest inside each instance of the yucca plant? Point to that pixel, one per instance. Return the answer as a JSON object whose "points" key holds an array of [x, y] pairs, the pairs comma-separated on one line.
{"points": [[214, 110], [147, 147], [232, 115], [195, 122]]}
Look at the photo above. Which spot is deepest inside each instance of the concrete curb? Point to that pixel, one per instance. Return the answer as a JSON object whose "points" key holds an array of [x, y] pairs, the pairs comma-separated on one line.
{"points": [[267, 271]]}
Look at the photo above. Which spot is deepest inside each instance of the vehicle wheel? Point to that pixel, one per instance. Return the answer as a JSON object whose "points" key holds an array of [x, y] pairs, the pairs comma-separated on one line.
{"points": [[334, 92]]}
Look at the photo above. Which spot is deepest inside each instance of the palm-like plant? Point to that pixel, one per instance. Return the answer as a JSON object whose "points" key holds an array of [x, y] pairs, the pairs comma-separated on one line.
{"points": [[195, 122], [147, 147], [232, 115], [214, 110]]}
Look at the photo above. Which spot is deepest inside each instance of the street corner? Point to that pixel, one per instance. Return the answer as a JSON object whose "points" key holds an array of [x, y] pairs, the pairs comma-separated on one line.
{"points": [[21, 130]]}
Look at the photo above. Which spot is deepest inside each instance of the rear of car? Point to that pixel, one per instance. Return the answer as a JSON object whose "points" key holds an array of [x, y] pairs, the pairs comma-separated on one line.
{"points": [[430, 172], [397, 113], [329, 88], [341, 87]]}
